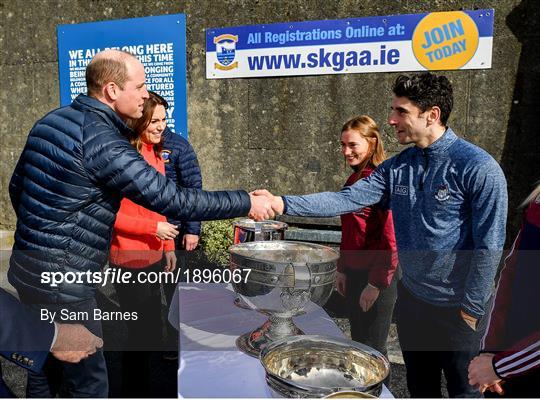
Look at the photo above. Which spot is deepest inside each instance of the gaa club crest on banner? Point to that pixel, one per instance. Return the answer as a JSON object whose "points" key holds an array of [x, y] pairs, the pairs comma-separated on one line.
{"points": [[226, 51]]}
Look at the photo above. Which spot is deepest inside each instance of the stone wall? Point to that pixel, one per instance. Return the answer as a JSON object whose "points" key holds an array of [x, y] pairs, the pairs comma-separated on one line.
{"points": [[282, 133]]}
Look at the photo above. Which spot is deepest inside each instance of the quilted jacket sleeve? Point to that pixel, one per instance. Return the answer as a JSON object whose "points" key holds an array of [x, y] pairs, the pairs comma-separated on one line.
{"points": [[111, 161]]}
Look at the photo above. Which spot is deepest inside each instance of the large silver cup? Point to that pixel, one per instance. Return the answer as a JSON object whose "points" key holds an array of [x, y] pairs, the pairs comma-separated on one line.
{"points": [[313, 366], [248, 230], [286, 279]]}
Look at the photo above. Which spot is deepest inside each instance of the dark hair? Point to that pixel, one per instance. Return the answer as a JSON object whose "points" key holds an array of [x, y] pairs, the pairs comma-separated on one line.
{"points": [[139, 125], [426, 90]]}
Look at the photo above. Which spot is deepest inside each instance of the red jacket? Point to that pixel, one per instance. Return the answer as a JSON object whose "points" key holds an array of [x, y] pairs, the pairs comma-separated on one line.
{"points": [[134, 242], [368, 241]]}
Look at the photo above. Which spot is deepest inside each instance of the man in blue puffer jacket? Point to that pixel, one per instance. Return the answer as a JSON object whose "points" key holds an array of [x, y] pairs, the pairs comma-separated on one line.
{"points": [[66, 189]]}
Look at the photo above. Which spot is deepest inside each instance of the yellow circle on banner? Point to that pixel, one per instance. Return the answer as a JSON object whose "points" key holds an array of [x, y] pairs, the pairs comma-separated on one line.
{"points": [[445, 40]]}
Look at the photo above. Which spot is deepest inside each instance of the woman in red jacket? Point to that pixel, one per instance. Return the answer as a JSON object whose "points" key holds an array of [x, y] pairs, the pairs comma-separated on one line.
{"points": [[143, 245], [368, 260]]}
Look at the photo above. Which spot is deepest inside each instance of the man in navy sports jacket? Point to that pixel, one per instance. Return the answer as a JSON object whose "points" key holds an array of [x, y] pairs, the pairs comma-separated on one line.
{"points": [[25, 339]]}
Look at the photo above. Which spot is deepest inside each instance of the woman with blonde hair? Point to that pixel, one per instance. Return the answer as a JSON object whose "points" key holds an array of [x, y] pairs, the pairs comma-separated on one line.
{"points": [[509, 364], [368, 261]]}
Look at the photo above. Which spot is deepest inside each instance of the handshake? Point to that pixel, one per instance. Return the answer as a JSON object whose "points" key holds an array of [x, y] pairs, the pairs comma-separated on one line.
{"points": [[264, 205]]}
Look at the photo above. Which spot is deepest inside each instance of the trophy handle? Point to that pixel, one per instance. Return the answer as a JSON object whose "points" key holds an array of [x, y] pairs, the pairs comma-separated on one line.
{"points": [[258, 232], [302, 277]]}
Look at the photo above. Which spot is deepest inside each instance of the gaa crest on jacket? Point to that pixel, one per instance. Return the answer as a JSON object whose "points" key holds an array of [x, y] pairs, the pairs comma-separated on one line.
{"points": [[443, 193], [166, 155]]}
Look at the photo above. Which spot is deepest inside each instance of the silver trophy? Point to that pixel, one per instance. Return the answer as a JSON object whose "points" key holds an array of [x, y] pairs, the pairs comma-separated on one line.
{"points": [[313, 366], [248, 230], [286, 279]]}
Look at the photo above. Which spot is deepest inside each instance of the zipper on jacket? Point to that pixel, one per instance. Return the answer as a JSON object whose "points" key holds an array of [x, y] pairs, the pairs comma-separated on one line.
{"points": [[426, 164]]}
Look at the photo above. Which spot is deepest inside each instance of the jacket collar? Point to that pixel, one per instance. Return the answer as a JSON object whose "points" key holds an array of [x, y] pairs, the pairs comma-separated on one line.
{"points": [[442, 143], [102, 108]]}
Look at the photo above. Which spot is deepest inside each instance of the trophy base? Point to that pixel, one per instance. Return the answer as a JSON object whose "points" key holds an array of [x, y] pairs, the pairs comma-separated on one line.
{"points": [[253, 343]]}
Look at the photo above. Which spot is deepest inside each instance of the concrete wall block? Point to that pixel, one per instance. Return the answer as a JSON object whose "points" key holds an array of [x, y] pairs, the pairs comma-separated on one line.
{"points": [[297, 171], [8, 159], [369, 8], [28, 92], [284, 111], [489, 102]]}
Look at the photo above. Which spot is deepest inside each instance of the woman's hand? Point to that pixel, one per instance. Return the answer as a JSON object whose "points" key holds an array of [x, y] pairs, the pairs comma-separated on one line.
{"points": [[190, 242], [170, 261], [166, 231], [368, 297], [341, 283]]}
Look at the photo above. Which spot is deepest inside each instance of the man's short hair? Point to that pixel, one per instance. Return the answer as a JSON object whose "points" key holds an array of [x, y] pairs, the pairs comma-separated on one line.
{"points": [[427, 90], [107, 68]]}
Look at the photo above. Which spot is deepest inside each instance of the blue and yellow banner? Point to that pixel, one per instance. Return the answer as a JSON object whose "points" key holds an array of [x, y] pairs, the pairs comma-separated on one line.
{"points": [[414, 42]]}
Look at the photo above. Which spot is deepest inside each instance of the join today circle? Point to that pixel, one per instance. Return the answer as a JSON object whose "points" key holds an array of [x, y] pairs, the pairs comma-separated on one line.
{"points": [[445, 40]]}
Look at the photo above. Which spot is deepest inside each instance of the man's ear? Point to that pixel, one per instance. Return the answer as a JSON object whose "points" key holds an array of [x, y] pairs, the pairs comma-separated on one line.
{"points": [[110, 91], [433, 115]]}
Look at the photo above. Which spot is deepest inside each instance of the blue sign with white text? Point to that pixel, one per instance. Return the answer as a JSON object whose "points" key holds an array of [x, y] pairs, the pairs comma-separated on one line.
{"points": [[158, 42]]}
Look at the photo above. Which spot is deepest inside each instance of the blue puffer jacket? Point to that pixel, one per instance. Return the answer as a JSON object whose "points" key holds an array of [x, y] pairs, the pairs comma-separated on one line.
{"points": [[182, 166], [66, 189]]}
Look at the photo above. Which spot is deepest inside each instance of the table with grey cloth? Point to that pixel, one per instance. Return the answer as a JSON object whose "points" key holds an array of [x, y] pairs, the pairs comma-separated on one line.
{"points": [[209, 323]]}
